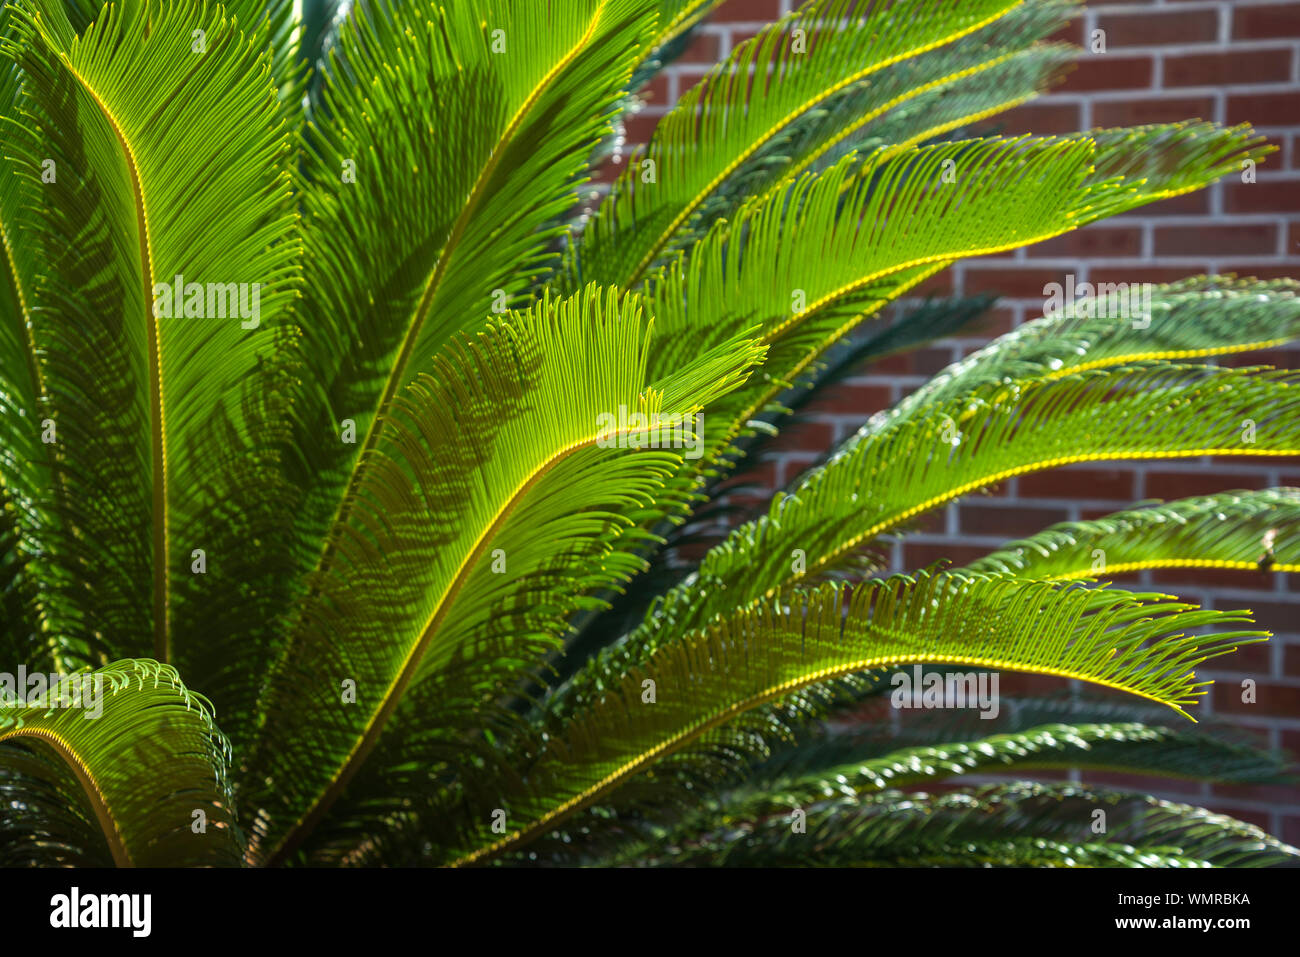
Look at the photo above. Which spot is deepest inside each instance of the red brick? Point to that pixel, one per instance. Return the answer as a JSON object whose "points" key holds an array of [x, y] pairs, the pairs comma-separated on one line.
{"points": [[1097, 71], [1018, 283], [851, 399], [805, 436], [1092, 241], [687, 80], [1132, 274], [1291, 659], [655, 93], [1291, 744], [930, 523], [929, 361], [639, 127], [940, 284], [1249, 660], [1280, 359], [1255, 239], [1189, 204], [1178, 484], [1152, 29], [1044, 119], [1273, 793], [704, 48], [747, 11], [1071, 32], [1145, 108], [1246, 815], [1017, 521], [896, 364], [997, 321], [1086, 483], [1178, 580], [1265, 22], [1262, 272], [1019, 683], [1265, 196], [1264, 109], [1221, 69], [1270, 699], [917, 555]]}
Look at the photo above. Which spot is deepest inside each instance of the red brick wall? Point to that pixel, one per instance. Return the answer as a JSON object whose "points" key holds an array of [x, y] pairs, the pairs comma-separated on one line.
{"points": [[1231, 62]]}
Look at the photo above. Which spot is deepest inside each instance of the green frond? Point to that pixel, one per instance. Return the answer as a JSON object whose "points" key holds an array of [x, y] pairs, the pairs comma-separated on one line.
{"points": [[1195, 318], [809, 264], [952, 448], [765, 652], [1244, 530], [152, 404], [146, 763], [1128, 748], [1022, 824], [859, 764], [1175, 156], [846, 740], [722, 123], [416, 233], [492, 508], [916, 100]]}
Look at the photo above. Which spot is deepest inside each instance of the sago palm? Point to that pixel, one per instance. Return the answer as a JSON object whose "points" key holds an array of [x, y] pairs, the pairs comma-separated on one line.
{"points": [[345, 448]]}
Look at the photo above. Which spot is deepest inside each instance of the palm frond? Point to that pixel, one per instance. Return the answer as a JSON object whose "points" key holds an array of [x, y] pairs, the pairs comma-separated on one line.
{"points": [[417, 234], [1244, 530], [1021, 824], [482, 522], [146, 761], [704, 681], [768, 83], [1200, 317], [978, 439], [139, 201]]}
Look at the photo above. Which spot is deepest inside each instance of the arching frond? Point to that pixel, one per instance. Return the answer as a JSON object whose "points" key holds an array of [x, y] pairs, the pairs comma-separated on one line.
{"points": [[491, 509], [967, 443], [153, 244], [1248, 531], [810, 264], [416, 233], [1129, 748], [1006, 825], [146, 763], [1196, 318], [847, 739], [759, 654], [725, 121]]}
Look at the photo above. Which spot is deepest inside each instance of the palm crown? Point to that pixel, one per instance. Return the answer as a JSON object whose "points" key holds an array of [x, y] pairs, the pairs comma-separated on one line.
{"points": [[321, 391]]}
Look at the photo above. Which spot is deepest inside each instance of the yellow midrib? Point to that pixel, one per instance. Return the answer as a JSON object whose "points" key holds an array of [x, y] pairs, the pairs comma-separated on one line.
{"points": [[1119, 568], [158, 431], [694, 202], [103, 813], [722, 716]]}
